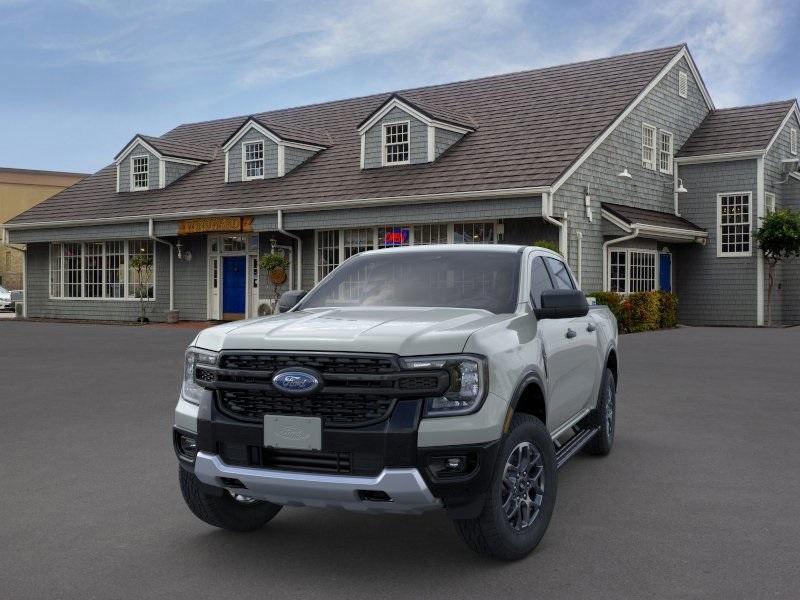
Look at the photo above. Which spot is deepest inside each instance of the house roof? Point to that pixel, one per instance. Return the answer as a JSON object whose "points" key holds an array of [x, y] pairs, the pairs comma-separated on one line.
{"points": [[739, 129], [530, 127], [434, 112], [287, 132], [173, 148], [652, 218]]}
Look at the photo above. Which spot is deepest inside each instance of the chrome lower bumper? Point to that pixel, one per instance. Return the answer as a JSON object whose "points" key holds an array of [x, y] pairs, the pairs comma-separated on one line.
{"points": [[405, 487]]}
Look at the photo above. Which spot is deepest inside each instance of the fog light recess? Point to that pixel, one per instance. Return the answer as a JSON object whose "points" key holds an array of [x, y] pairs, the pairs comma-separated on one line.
{"points": [[187, 446]]}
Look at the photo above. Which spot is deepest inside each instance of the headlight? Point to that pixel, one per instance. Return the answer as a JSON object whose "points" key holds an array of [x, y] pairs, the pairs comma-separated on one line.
{"points": [[468, 383], [190, 390]]}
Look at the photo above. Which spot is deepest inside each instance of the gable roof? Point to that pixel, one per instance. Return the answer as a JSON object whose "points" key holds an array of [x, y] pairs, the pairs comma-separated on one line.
{"points": [[530, 127], [168, 148], [651, 218], [738, 129], [431, 112], [282, 131]]}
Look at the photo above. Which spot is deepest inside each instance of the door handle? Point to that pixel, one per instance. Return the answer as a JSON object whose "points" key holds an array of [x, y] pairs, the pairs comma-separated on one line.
{"points": [[591, 327], [571, 333]]}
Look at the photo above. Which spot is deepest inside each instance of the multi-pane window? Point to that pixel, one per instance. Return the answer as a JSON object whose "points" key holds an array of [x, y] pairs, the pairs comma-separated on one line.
{"points": [[430, 234], [632, 271], [683, 84], [793, 140], [648, 146], [473, 233], [97, 270], [140, 166], [335, 246], [665, 152], [396, 143], [253, 160], [769, 200], [733, 230]]}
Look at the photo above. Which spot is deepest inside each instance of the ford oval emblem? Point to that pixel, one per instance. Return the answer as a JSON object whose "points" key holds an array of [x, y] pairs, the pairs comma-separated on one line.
{"points": [[295, 381]]}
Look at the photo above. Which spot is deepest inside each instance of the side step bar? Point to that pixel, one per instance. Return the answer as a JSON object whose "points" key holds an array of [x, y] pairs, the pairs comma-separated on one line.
{"points": [[571, 448]]}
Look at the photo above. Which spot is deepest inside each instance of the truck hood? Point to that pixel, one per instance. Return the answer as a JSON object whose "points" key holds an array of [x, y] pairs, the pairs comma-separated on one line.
{"points": [[403, 331]]}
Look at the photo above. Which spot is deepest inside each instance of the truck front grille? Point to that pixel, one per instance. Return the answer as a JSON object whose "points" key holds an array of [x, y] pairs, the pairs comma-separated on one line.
{"points": [[336, 410], [324, 363]]}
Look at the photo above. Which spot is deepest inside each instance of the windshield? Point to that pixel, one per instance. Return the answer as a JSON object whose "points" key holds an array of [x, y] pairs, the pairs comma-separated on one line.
{"points": [[470, 279]]}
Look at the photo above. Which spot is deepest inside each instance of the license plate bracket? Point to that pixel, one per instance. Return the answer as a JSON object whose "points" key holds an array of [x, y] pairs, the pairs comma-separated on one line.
{"points": [[292, 433]]}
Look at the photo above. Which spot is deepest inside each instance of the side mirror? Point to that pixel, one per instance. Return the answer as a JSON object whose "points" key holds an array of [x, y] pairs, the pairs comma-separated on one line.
{"points": [[289, 300], [562, 304]]}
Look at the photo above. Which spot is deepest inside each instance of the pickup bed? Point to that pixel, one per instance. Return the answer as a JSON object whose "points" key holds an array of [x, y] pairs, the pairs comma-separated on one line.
{"points": [[455, 377]]}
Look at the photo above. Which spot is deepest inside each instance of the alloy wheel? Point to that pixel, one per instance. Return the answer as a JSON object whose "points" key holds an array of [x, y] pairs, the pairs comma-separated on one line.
{"points": [[522, 486]]}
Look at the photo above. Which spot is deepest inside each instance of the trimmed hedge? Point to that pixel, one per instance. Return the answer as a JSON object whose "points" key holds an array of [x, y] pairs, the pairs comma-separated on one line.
{"points": [[641, 311]]}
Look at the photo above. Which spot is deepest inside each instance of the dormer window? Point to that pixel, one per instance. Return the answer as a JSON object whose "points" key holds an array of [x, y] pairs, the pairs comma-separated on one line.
{"points": [[253, 153], [396, 148], [140, 170]]}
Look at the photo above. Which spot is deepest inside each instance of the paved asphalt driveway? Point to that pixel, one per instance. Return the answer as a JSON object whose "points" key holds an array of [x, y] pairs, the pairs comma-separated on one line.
{"points": [[700, 498]]}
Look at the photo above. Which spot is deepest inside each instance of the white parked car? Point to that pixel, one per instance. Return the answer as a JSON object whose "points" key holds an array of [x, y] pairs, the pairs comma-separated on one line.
{"points": [[409, 379]]}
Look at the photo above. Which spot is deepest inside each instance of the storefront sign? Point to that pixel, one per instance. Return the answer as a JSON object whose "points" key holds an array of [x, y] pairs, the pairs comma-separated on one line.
{"points": [[215, 224]]}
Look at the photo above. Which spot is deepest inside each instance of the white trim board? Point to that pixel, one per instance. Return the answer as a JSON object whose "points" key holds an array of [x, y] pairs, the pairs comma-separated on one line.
{"points": [[659, 232], [792, 111], [721, 157], [683, 53]]}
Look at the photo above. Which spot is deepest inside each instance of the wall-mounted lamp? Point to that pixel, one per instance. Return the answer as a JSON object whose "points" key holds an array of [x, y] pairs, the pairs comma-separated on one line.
{"points": [[587, 200], [183, 255], [680, 189], [625, 174]]}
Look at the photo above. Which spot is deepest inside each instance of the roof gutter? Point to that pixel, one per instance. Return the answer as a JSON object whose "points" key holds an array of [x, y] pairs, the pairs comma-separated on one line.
{"points": [[308, 206], [299, 249], [152, 236], [547, 212]]}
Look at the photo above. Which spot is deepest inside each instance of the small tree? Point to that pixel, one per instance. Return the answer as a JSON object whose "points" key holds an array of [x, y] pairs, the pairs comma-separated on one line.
{"points": [[142, 265], [779, 239], [276, 266], [548, 244]]}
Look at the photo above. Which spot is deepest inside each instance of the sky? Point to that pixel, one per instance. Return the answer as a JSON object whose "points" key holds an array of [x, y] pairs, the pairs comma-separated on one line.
{"points": [[80, 78]]}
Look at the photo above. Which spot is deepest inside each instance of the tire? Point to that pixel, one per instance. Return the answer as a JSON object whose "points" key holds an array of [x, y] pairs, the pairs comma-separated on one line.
{"points": [[493, 533], [604, 416], [224, 511]]}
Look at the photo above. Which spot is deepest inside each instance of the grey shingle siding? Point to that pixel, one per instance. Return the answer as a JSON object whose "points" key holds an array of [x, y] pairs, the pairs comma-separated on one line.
{"points": [[418, 139], [174, 170], [191, 278], [294, 157], [715, 290], [443, 139], [94, 232], [270, 156], [125, 169], [648, 189], [786, 287]]}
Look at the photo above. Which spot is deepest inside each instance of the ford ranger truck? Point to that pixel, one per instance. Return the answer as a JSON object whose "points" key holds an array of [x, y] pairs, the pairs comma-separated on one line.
{"points": [[455, 377]]}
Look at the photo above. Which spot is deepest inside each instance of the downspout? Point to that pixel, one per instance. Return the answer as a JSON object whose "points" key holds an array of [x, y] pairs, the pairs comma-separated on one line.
{"points": [[547, 211], [152, 236], [618, 240], [675, 187], [299, 249]]}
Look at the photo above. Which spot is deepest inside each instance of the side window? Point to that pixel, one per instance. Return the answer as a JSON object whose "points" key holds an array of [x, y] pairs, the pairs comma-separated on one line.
{"points": [[540, 281], [561, 277]]}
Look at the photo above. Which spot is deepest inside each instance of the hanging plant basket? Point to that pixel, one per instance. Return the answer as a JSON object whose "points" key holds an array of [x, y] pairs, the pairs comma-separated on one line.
{"points": [[277, 276]]}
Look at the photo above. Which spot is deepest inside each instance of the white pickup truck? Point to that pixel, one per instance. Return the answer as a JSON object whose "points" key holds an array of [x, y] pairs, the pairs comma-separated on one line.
{"points": [[409, 379]]}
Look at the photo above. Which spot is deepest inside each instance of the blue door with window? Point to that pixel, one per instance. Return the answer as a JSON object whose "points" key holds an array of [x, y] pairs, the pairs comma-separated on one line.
{"points": [[665, 272], [233, 284]]}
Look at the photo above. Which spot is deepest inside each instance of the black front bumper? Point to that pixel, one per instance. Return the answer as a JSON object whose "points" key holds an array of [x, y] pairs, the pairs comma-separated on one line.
{"points": [[364, 451]]}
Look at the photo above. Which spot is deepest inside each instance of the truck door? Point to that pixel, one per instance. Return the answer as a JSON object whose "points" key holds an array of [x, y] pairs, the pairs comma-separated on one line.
{"points": [[570, 346]]}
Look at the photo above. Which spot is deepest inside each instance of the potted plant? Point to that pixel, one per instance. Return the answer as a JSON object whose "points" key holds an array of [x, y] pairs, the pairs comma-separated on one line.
{"points": [[276, 265], [142, 265]]}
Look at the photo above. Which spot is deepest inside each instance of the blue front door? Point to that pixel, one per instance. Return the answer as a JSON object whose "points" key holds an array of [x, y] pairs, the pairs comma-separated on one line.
{"points": [[665, 272], [233, 284]]}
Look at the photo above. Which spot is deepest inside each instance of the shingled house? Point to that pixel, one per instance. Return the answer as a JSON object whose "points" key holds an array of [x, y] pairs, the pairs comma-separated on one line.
{"points": [[623, 161]]}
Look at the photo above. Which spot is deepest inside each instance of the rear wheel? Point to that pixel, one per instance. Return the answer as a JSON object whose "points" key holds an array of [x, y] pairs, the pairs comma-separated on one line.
{"points": [[604, 416], [522, 496], [228, 511]]}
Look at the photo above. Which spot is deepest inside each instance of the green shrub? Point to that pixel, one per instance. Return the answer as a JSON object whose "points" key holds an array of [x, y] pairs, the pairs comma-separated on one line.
{"points": [[668, 309], [547, 244], [645, 309]]}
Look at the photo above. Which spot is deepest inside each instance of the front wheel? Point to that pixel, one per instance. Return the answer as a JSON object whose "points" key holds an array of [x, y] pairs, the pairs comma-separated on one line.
{"points": [[234, 513], [522, 496]]}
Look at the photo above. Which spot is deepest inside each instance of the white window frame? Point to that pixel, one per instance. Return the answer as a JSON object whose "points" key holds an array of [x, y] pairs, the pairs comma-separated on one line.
{"points": [[133, 159], [769, 202], [665, 156], [374, 229], [627, 276], [793, 140], [263, 160], [720, 253], [683, 84], [649, 164], [104, 298], [384, 146]]}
